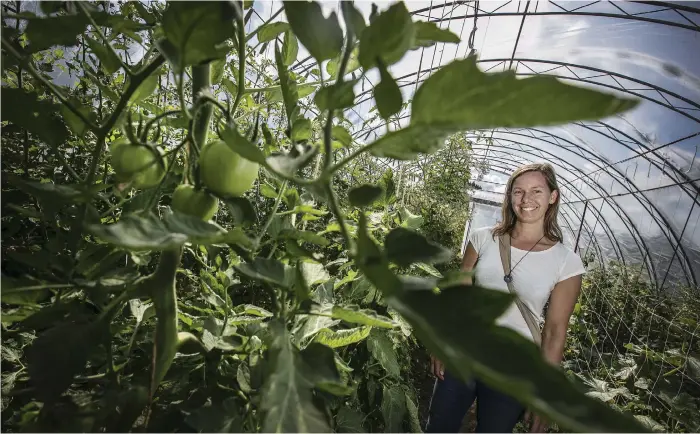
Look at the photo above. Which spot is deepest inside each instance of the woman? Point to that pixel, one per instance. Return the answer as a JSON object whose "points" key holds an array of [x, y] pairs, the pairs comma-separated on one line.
{"points": [[541, 269]]}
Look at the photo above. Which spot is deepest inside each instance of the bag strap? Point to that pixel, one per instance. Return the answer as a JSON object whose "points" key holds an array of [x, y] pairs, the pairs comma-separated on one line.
{"points": [[532, 323]]}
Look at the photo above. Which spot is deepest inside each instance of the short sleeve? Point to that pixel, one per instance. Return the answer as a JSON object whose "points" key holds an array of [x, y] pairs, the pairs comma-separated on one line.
{"points": [[477, 238], [573, 266]]}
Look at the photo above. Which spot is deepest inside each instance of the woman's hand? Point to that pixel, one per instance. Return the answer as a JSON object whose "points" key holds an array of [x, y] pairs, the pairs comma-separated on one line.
{"points": [[537, 423], [437, 368]]}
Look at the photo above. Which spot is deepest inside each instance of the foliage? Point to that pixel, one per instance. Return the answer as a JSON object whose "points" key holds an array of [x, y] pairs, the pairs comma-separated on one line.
{"points": [[286, 311], [634, 348]]}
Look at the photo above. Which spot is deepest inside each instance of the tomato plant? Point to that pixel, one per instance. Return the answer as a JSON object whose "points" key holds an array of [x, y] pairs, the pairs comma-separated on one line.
{"points": [[302, 305]]}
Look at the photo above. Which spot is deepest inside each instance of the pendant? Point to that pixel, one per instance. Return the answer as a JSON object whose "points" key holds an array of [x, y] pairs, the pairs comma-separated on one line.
{"points": [[508, 278]]}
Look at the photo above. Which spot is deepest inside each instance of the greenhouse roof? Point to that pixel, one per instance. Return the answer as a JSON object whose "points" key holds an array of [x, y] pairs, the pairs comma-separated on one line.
{"points": [[630, 182]]}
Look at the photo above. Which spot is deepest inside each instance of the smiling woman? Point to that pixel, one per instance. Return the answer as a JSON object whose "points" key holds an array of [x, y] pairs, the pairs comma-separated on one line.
{"points": [[522, 254]]}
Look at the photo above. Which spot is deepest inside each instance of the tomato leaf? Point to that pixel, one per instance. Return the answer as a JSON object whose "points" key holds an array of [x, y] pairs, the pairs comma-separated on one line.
{"points": [[287, 392], [341, 338], [240, 145], [356, 315], [309, 237], [290, 50], [459, 96], [387, 94], [290, 93], [266, 270], [354, 21], [196, 31], [219, 418], [342, 135], [393, 408], [349, 420], [336, 96], [110, 61], [301, 130], [404, 247], [364, 195], [145, 89], [382, 349], [321, 36], [269, 31], [428, 33], [216, 73], [389, 36], [36, 116]]}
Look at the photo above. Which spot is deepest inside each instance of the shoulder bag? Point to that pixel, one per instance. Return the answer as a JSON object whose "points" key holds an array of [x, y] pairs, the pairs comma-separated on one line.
{"points": [[530, 318]]}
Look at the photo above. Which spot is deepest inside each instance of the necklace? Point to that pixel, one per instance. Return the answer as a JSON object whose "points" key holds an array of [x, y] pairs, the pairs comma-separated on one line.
{"points": [[509, 277]]}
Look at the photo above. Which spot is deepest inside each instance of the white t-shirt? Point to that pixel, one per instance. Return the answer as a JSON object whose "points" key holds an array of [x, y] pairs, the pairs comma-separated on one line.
{"points": [[533, 278]]}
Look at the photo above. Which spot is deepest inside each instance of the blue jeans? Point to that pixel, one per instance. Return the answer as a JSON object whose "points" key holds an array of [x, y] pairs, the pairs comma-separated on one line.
{"points": [[452, 398]]}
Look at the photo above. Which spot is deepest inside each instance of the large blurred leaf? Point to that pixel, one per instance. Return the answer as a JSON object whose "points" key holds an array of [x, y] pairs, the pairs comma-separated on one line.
{"points": [[59, 354], [388, 37], [393, 408], [195, 31], [404, 247], [321, 36], [36, 116], [287, 398], [463, 97], [341, 338], [380, 346]]}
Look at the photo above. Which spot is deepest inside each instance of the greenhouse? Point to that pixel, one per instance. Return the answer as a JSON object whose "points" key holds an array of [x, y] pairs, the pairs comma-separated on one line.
{"points": [[255, 216]]}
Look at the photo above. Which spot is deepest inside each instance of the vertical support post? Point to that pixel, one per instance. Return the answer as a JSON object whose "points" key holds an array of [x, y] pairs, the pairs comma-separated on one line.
{"points": [[580, 227]]}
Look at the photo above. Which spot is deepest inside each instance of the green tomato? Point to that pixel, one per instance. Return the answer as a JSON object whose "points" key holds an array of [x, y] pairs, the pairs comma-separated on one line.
{"points": [[188, 200], [137, 164], [224, 171]]}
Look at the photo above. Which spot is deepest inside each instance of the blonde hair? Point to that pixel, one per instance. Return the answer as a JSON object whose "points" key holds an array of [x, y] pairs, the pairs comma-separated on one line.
{"points": [[509, 218]]}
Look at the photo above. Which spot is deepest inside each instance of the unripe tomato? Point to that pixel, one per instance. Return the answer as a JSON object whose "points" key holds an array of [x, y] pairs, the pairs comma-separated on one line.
{"points": [[224, 171], [198, 203], [137, 164]]}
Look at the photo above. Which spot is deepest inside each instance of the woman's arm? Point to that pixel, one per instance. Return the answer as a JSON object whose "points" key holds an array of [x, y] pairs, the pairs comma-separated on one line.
{"points": [[468, 261], [561, 305]]}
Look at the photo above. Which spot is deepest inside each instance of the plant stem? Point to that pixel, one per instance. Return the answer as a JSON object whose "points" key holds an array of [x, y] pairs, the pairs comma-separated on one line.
{"points": [[335, 208], [33, 72], [272, 213], [241, 63], [102, 36], [342, 163]]}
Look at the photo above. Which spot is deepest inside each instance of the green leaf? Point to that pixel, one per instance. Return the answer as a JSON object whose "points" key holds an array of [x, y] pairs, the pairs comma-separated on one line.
{"points": [[255, 311], [269, 31], [230, 86], [355, 315], [389, 36], [307, 236], [216, 71], [287, 394], [301, 130], [461, 97], [404, 247], [57, 30], [241, 210], [145, 89], [354, 21], [322, 369], [413, 417], [23, 292], [364, 195], [314, 273], [220, 418], [469, 343], [36, 116], [387, 94], [290, 94], [288, 164], [108, 58], [48, 191], [410, 220], [59, 354], [290, 50], [196, 31], [342, 135], [349, 420], [240, 145], [393, 408], [266, 270], [321, 36], [382, 349], [77, 125], [408, 143], [353, 64], [373, 263], [428, 33], [341, 338], [336, 96]]}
